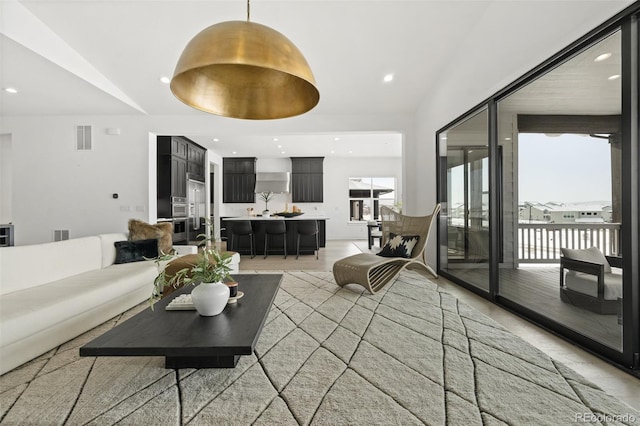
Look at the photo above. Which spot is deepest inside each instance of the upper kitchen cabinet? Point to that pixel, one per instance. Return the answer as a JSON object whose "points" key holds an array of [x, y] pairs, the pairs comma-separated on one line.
{"points": [[173, 145], [196, 162], [307, 180], [238, 180]]}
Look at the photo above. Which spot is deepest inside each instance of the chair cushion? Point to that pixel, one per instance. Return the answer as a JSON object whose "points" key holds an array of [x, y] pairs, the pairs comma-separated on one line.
{"points": [[588, 284], [591, 255], [399, 246]]}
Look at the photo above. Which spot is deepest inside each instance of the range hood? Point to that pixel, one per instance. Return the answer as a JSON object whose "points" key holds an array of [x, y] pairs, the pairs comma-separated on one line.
{"points": [[278, 182]]}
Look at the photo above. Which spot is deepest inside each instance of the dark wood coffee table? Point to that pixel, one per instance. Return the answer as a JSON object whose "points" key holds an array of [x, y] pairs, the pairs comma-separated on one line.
{"points": [[188, 340]]}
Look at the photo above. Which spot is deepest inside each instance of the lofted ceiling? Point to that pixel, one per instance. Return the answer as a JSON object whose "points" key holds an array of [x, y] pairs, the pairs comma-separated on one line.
{"points": [[106, 57]]}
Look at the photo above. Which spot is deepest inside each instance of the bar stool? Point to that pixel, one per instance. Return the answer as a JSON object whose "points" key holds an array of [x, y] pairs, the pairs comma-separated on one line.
{"points": [[275, 227], [242, 228], [307, 227]]}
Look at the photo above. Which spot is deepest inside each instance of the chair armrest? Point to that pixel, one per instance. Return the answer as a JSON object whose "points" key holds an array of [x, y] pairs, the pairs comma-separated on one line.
{"points": [[581, 266], [615, 261], [590, 268], [182, 250]]}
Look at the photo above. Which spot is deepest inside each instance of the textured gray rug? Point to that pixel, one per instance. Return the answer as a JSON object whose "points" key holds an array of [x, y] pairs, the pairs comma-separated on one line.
{"points": [[409, 355]]}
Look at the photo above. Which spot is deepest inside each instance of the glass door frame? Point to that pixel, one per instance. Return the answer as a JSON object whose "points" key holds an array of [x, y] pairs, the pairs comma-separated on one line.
{"points": [[627, 22]]}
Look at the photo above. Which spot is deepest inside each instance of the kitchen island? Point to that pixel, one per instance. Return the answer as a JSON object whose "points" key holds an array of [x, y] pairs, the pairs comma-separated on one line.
{"points": [[307, 243]]}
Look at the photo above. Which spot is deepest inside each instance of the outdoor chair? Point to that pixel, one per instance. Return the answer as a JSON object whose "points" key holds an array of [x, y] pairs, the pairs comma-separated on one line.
{"points": [[399, 233], [589, 282]]}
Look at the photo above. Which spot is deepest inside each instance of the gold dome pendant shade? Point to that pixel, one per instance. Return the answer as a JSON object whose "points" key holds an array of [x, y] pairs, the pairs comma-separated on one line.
{"points": [[241, 69]]}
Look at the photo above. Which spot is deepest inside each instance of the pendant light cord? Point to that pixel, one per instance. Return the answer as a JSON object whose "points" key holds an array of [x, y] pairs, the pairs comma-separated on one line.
{"points": [[248, 10]]}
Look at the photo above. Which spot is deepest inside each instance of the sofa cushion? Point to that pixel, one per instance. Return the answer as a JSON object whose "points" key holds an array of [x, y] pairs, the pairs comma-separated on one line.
{"points": [[33, 265], [163, 231], [136, 251], [23, 313], [588, 284], [591, 255]]}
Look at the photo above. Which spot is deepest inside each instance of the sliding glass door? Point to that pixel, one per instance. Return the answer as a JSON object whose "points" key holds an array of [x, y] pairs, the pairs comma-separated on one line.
{"points": [[467, 201], [540, 194]]}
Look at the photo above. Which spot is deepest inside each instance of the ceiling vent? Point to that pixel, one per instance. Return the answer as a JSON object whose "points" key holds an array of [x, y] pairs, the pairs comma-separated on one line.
{"points": [[83, 138]]}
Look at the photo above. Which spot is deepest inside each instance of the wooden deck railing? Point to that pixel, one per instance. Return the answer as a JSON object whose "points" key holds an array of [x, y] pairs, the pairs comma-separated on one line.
{"points": [[541, 242]]}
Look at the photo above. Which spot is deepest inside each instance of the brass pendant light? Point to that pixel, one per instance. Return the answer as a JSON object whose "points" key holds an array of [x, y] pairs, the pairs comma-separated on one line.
{"points": [[244, 70]]}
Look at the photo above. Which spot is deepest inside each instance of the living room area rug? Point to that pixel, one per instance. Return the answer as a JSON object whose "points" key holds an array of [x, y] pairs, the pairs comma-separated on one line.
{"points": [[410, 354]]}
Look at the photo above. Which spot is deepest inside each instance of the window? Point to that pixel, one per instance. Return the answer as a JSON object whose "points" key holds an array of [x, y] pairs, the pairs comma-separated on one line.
{"points": [[367, 194]]}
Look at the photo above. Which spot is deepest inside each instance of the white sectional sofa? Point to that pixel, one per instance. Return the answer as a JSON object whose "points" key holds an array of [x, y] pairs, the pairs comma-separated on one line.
{"points": [[53, 292], [50, 293]]}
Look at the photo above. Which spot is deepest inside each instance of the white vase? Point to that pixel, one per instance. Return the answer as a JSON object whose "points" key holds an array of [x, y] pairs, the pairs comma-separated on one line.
{"points": [[210, 299], [266, 213]]}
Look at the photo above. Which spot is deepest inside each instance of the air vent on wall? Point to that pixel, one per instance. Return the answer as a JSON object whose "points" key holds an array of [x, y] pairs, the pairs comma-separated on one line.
{"points": [[60, 234], [83, 138]]}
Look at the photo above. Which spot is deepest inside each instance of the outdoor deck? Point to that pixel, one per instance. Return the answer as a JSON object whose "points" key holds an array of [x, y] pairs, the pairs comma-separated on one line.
{"points": [[537, 288]]}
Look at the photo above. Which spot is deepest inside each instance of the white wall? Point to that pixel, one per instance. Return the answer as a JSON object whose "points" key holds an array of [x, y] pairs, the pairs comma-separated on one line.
{"points": [[57, 187]]}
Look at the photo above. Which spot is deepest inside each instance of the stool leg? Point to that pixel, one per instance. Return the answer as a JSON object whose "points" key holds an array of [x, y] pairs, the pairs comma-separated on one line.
{"points": [[284, 238], [317, 247], [298, 247], [266, 238], [253, 249]]}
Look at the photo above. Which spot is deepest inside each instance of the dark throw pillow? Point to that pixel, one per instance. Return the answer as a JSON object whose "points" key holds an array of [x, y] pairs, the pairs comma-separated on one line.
{"points": [[135, 251], [399, 246]]}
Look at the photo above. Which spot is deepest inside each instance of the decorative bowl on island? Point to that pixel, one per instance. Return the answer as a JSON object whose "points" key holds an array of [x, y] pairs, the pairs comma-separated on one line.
{"points": [[288, 214]]}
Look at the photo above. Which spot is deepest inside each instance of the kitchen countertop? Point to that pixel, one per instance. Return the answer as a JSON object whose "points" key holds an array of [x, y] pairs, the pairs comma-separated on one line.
{"points": [[303, 216]]}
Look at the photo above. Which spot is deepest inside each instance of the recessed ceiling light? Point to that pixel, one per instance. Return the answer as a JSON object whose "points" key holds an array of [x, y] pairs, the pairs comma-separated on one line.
{"points": [[281, 152], [216, 140], [614, 77], [507, 139], [336, 139], [279, 146], [333, 152], [233, 152], [165, 79], [10, 90], [602, 57], [275, 139], [350, 152], [387, 78]]}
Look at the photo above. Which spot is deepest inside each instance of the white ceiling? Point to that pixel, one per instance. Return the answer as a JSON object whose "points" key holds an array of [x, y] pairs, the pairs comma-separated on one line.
{"points": [[99, 57]]}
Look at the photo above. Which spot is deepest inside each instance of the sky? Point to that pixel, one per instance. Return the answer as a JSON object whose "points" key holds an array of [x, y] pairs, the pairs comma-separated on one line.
{"points": [[567, 168]]}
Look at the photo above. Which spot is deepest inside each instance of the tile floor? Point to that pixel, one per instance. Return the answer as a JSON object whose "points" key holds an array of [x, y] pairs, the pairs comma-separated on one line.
{"points": [[611, 379]]}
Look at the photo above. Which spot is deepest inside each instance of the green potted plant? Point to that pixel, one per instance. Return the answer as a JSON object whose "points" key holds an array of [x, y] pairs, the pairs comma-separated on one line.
{"points": [[266, 196], [209, 269]]}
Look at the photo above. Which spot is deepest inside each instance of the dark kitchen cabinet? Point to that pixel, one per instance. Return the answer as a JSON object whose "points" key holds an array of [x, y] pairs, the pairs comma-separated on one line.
{"points": [[307, 179], [173, 145], [176, 157], [196, 162], [238, 180], [178, 177]]}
